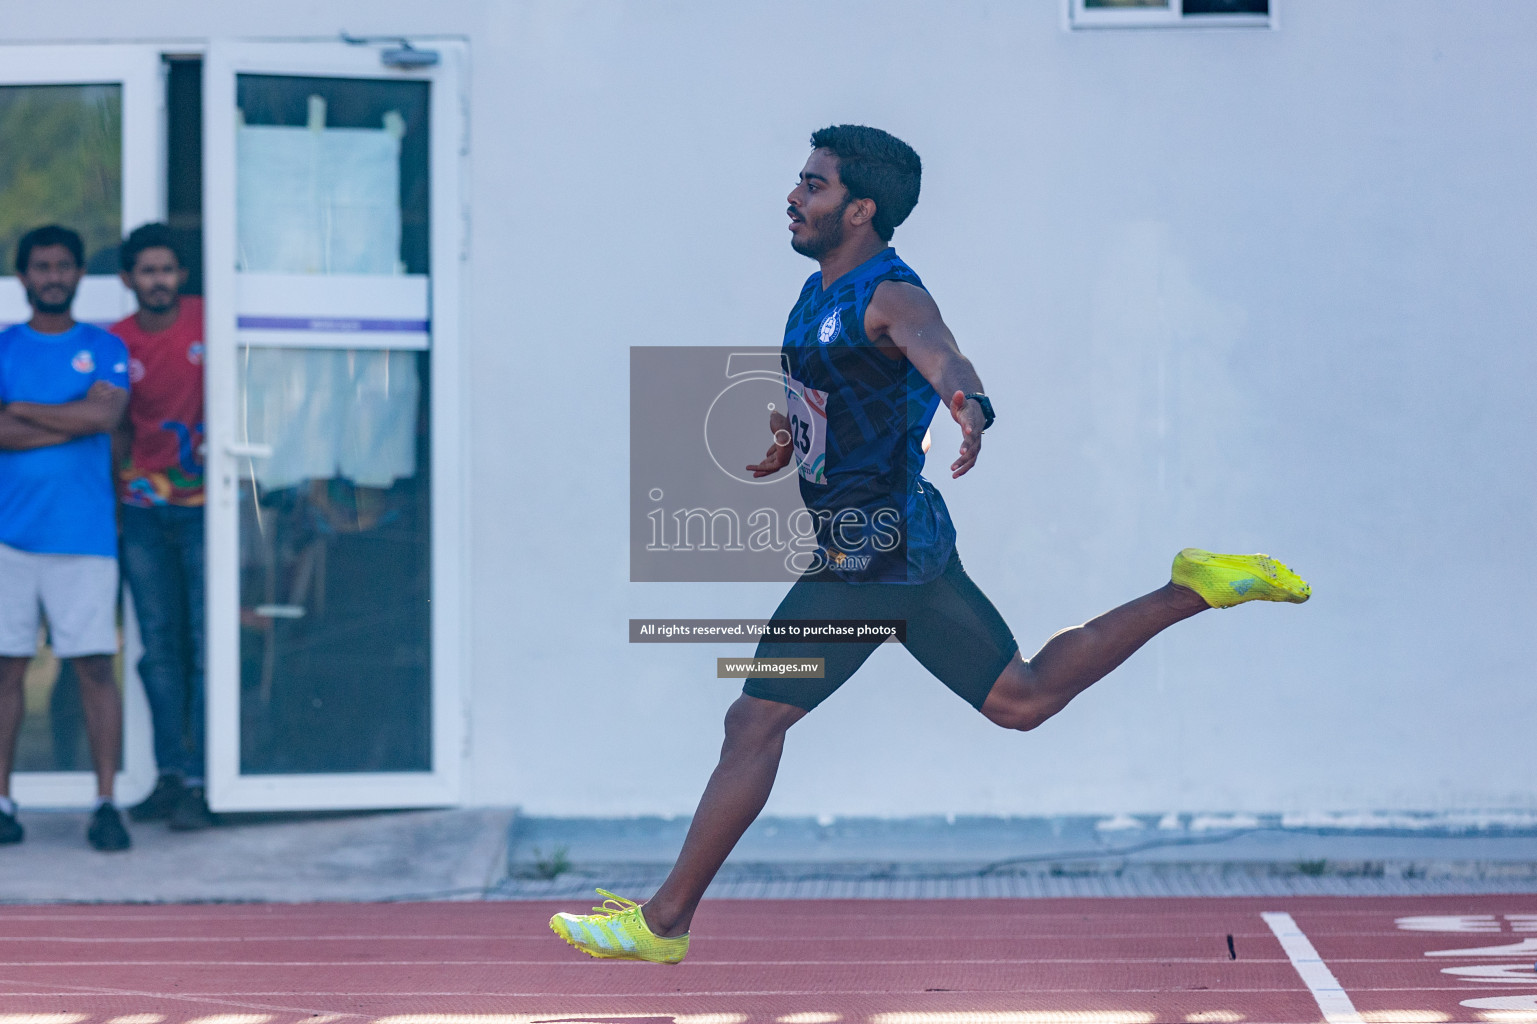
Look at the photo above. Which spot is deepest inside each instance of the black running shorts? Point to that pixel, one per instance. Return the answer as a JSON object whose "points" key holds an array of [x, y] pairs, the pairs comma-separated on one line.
{"points": [[952, 629]]}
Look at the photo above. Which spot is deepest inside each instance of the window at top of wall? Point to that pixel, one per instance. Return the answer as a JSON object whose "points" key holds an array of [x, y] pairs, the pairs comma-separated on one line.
{"points": [[1169, 13]]}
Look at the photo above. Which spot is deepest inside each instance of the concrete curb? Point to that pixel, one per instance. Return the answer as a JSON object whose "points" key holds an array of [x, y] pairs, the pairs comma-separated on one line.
{"points": [[444, 854]]}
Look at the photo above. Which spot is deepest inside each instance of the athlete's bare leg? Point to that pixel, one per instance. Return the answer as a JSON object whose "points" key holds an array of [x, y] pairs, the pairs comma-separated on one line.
{"points": [[1027, 693], [737, 791]]}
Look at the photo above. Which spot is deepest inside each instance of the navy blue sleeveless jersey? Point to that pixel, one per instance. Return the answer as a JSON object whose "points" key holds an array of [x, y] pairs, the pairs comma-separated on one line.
{"points": [[857, 420]]}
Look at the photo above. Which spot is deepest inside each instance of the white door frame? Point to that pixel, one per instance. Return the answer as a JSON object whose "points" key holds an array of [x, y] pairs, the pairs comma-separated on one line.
{"points": [[228, 789], [136, 67]]}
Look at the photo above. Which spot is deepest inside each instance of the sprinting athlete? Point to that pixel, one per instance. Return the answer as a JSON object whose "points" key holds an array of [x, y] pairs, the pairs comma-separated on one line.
{"points": [[868, 360]]}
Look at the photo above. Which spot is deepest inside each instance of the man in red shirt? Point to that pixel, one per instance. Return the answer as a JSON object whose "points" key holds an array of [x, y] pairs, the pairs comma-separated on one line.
{"points": [[161, 491]]}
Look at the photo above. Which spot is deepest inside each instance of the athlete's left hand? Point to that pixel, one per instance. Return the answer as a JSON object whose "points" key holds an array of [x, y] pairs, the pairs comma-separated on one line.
{"points": [[969, 416], [779, 452]]}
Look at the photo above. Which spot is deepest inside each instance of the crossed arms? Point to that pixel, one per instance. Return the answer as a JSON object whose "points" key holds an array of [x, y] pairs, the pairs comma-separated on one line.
{"points": [[27, 425]]}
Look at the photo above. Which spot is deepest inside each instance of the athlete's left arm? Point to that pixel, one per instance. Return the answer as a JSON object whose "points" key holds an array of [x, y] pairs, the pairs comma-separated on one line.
{"points": [[907, 318], [98, 412]]}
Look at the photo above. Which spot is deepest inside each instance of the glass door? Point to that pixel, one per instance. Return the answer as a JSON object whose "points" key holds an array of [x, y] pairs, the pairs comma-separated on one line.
{"points": [[81, 144], [332, 241]]}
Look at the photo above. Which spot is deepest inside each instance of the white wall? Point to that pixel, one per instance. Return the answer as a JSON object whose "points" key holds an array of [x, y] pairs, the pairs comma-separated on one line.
{"points": [[1247, 290], [1243, 289]]}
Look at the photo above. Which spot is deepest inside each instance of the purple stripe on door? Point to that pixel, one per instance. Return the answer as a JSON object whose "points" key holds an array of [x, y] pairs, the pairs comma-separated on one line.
{"points": [[330, 325]]}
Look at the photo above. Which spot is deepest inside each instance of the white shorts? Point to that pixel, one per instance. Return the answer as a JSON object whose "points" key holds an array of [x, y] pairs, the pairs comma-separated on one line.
{"points": [[77, 592]]}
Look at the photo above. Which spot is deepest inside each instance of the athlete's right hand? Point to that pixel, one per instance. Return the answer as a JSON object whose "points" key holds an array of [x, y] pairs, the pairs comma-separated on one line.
{"points": [[779, 452]]}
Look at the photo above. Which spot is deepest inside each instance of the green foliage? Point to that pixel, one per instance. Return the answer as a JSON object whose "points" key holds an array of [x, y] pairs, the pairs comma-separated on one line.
{"points": [[61, 161], [550, 867]]}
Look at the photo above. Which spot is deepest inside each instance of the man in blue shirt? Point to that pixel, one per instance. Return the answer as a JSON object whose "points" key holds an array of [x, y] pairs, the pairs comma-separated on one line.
{"points": [[63, 389]]}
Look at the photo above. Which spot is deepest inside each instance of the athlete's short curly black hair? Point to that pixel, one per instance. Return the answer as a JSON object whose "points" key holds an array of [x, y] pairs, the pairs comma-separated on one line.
{"points": [[877, 165], [48, 234], [146, 236]]}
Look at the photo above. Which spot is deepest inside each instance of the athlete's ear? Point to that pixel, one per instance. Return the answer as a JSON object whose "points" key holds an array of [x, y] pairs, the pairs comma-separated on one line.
{"points": [[861, 211]]}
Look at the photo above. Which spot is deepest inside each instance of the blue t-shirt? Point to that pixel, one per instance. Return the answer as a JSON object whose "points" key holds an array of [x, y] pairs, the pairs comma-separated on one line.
{"points": [[857, 420], [58, 500]]}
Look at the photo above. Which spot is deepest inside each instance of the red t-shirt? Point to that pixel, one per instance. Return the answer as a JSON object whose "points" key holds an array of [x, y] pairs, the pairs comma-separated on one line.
{"points": [[165, 407]]}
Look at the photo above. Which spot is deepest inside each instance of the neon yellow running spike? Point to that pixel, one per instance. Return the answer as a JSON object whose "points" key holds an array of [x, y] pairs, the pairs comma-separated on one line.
{"points": [[617, 930], [1226, 580]]}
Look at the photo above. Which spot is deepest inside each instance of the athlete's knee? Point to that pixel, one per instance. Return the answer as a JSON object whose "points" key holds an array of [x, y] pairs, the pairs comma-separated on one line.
{"points": [[1019, 717], [752, 721], [1015, 702]]}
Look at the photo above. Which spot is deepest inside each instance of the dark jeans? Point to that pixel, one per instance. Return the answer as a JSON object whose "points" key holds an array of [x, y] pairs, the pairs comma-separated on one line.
{"points": [[163, 564]]}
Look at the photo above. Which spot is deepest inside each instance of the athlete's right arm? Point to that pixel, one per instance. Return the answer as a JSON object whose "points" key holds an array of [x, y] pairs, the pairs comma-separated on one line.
{"points": [[17, 435]]}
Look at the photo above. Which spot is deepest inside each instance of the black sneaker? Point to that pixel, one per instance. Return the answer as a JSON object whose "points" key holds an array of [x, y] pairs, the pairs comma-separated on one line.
{"points": [[191, 811], [159, 804], [107, 833], [10, 829]]}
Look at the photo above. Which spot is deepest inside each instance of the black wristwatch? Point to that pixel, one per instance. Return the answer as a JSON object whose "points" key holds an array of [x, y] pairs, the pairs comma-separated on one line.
{"points": [[987, 409]]}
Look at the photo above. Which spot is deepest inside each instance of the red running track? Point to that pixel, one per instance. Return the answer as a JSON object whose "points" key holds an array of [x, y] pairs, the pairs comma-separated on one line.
{"points": [[1094, 961]]}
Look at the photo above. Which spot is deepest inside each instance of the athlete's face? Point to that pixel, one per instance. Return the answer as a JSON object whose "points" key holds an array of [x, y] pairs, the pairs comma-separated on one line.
{"points": [[51, 277], [817, 205], [156, 279]]}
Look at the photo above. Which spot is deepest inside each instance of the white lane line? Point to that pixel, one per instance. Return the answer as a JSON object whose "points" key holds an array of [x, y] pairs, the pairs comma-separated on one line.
{"points": [[540, 994], [213, 998], [584, 966], [1331, 998]]}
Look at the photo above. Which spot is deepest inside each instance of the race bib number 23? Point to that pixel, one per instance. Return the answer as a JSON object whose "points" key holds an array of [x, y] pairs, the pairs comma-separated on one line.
{"points": [[808, 429]]}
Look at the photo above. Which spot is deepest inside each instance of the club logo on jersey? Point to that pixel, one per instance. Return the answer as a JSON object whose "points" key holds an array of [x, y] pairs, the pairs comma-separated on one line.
{"points": [[83, 362], [135, 371], [195, 353], [830, 328]]}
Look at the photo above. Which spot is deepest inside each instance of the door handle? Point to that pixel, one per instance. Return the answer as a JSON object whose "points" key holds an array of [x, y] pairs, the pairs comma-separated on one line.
{"points": [[248, 450]]}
